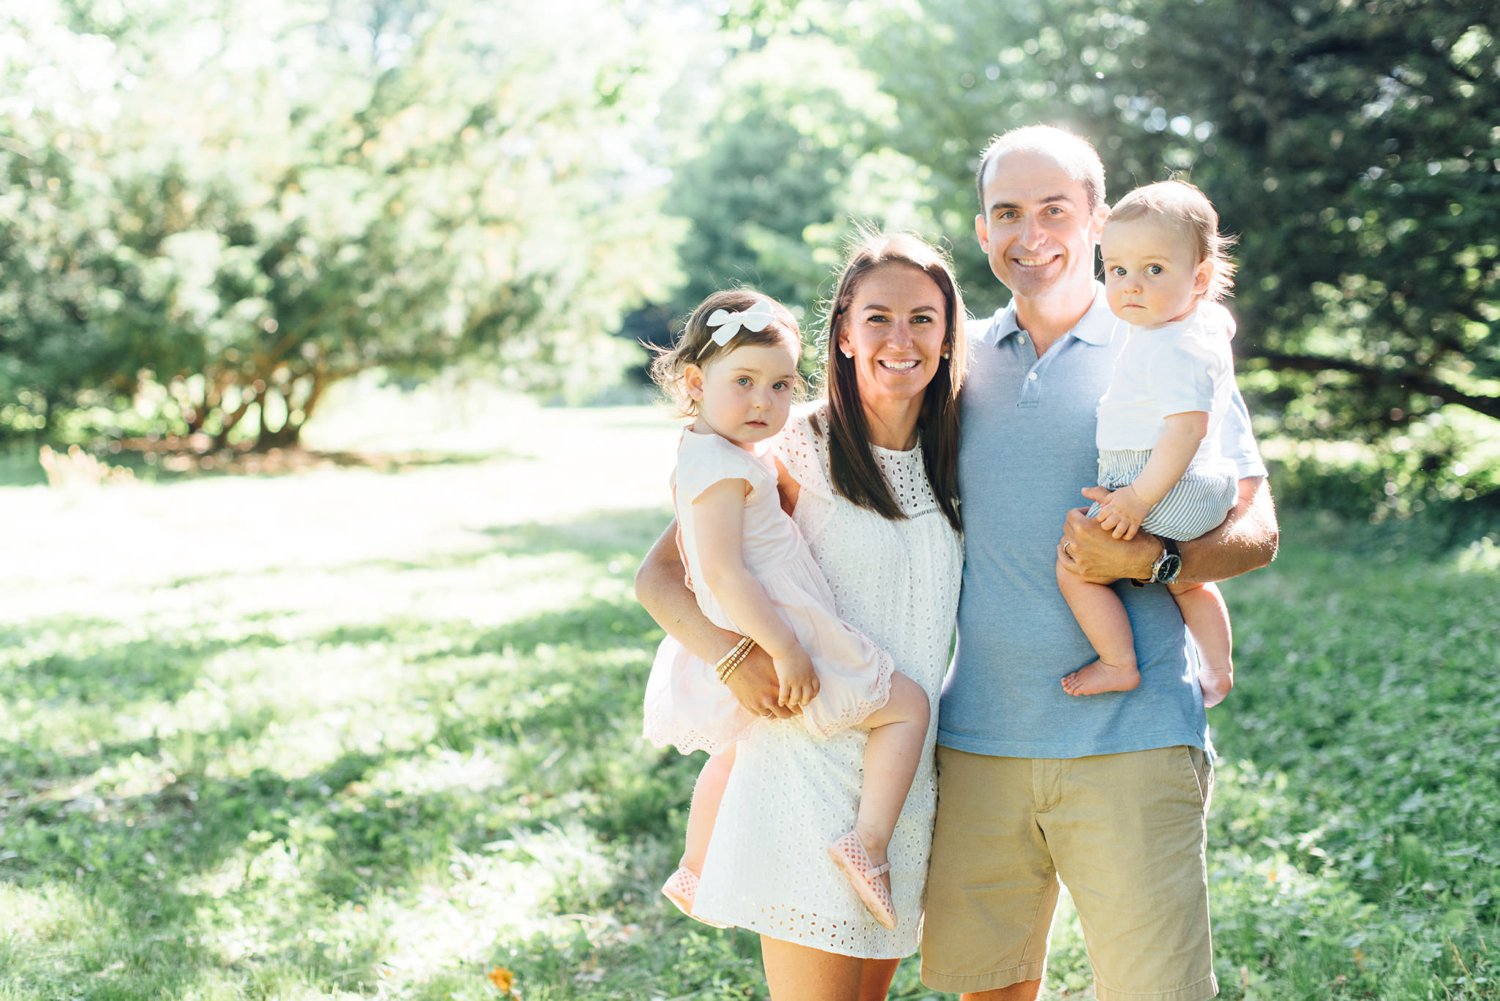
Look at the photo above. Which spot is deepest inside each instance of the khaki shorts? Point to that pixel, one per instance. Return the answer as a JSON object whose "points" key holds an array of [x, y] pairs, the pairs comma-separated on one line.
{"points": [[1125, 832]]}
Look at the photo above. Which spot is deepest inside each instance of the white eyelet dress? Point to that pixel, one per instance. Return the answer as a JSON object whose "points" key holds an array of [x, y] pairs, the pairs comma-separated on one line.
{"points": [[790, 794]]}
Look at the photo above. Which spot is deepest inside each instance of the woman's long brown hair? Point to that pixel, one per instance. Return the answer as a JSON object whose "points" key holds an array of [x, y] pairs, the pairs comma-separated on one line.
{"points": [[856, 475]]}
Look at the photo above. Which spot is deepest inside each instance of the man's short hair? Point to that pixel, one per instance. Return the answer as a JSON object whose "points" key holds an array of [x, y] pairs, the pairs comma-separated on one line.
{"points": [[1074, 153]]}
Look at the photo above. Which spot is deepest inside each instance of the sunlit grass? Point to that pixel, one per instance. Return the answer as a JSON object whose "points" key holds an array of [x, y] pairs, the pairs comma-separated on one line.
{"points": [[358, 734]]}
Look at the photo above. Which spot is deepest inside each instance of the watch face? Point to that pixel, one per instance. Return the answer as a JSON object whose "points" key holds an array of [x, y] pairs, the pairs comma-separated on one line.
{"points": [[1169, 568]]}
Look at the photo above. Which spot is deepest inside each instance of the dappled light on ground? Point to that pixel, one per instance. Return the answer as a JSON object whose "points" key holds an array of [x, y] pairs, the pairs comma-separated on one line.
{"points": [[349, 734]]}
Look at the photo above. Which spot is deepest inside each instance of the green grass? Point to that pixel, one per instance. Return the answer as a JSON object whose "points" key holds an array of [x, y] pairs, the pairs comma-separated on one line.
{"points": [[356, 734]]}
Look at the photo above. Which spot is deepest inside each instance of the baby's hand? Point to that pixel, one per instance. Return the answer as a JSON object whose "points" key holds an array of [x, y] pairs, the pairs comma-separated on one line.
{"points": [[1121, 513], [798, 680]]}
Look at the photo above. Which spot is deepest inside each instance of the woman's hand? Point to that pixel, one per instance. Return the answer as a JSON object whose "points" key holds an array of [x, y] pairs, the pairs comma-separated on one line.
{"points": [[1121, 512], [660, 587], [798, 681], [755, 686]]}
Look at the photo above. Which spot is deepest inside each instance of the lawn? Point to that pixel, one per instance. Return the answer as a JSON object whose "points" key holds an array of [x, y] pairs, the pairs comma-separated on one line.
{"points": [[370, 730]]}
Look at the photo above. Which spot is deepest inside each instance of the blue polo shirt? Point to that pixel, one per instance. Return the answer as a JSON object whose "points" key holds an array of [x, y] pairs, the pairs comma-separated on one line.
{"points": [[1027, 451]]}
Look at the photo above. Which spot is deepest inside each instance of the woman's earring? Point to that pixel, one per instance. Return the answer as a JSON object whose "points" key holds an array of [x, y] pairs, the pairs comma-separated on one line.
{"points": [[848, 354]]}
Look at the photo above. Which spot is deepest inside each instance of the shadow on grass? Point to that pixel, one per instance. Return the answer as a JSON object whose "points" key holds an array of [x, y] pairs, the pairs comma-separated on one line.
{"points": [[549, 706], [20, 466], [593, 625], [614, 537], [603, 536], [111, 675], [168, 465], [106, 679], [174, 869]]}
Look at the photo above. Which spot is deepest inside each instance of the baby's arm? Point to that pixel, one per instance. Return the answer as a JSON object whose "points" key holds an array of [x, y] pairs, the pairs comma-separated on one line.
{"points": [[719, 523], [661, 588], [1122, 512]]}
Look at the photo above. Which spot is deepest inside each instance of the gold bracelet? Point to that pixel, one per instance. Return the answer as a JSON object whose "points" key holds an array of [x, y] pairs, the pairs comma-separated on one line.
{"points": [[729, 655], [734, 658], [735, 665], [731, 661]]}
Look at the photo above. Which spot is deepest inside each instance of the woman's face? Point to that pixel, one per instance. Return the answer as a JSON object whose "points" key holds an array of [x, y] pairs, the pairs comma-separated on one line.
{"points": [[893, 333]]}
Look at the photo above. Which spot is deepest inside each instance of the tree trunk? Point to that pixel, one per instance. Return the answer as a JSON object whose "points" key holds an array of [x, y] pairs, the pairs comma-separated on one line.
{"points": [[289, 435]]}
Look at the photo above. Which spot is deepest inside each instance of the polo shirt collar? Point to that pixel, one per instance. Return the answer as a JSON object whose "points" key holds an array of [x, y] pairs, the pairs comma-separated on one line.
{"points": [[1095, 327]]}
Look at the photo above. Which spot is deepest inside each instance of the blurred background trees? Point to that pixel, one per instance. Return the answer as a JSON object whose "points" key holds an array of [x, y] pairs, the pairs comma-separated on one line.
{"points": [[211, 211]]}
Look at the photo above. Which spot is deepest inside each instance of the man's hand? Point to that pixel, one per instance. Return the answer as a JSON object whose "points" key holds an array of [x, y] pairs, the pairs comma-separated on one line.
{"points": [[755, 686], [1121, 512], [1245, 541], [1097, 556]]}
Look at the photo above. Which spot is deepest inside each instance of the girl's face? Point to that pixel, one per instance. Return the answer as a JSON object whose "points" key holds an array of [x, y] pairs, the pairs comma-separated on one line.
{"points": [[745, 394], [1151, 272], [894, 331]]}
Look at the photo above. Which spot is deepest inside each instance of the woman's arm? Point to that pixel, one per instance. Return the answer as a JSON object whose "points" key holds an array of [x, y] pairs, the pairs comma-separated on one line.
{"points": [[1246, 540], [661, 588]]}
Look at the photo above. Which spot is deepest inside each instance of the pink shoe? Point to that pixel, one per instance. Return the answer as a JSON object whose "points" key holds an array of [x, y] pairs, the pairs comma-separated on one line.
{"points": [[849, 854], [681, 888]]}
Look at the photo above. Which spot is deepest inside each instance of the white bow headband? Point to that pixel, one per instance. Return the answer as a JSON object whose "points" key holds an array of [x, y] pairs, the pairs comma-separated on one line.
{"points": [[731, 322]]}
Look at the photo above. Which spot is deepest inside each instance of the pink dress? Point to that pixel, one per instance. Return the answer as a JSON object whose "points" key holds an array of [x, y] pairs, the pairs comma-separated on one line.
{"points": [[686, 704]]}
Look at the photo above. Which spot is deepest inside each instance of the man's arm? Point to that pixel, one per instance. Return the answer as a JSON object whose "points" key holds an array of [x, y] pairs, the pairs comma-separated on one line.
{"points": [[660, 588], [1246, 540]]}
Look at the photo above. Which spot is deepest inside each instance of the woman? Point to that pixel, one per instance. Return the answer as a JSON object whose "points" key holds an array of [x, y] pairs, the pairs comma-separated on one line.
{"points": [[871, 479]]}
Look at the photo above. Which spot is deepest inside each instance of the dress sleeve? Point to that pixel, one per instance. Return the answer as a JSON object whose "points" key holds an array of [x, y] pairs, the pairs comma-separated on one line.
{"points": [[704, 460]]}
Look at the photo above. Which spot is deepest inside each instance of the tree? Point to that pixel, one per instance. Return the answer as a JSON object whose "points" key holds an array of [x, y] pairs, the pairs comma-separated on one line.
{"points": [[280, 197], [762, 180], [1350, 145]]}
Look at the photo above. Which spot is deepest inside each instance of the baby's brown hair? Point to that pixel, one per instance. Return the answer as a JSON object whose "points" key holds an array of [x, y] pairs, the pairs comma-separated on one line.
{"points": [[696, 344], [1186, 206]]}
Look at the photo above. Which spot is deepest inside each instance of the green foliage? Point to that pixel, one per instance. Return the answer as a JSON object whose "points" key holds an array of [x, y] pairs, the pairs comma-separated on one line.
{"points": [[765, 188], [237, 206], [1348, 144]]}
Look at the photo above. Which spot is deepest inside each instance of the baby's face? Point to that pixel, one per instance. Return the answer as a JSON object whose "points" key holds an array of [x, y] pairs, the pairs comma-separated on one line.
{"points": [[745, 394], [1151, 272]]}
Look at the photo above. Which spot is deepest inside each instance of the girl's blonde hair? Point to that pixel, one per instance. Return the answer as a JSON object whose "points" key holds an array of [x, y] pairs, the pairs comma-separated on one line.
{"points": [[696, 346], [1187, 207]]}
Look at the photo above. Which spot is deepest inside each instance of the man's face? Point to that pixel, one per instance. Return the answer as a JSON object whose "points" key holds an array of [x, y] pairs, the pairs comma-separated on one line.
{"points": [[1037, 229]]}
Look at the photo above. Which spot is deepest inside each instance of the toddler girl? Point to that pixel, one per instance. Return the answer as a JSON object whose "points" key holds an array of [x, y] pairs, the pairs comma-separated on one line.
{"points": [[734, 370], [1158, 428]]}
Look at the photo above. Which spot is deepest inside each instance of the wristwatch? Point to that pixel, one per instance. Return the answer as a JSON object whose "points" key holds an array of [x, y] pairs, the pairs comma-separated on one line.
{"points": [[1168, 565]]}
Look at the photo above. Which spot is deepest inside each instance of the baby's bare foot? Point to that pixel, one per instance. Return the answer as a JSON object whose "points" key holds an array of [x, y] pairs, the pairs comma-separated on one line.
{"points": [[1102, 677]]}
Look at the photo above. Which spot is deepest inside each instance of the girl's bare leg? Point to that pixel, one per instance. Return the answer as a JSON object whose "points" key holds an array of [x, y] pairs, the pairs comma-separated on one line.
{"points": [[708, 793], [897, 732], [1207, 618], [1101, 616]]}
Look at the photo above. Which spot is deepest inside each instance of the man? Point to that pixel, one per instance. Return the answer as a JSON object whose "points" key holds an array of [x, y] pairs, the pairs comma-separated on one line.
{"points": [[1109, 793]]}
